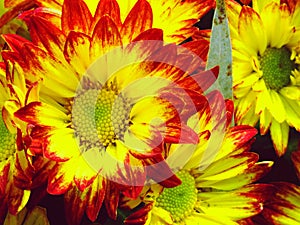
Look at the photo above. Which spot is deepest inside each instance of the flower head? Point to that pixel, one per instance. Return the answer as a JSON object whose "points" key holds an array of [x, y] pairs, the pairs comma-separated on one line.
{"points": [[112, 93], [216, 190], [16, 168], [266, 76]]}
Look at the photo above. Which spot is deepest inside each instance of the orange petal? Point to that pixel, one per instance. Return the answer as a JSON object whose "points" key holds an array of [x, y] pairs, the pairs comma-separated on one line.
{"points": [[110, 8], [96, 198], [15, 42], [17, 199], [112, 196], [201, 81], [85, 174], [105, 37], [159, 171], [296, 161], [140, 216], [138, 20], [44, 33], [24, 170], [75, 205], [200, 48], [76, 16], [42, 114], [76, 51], [61, 177], [283, 206], [61, 145], [17, 7], [4, 170], [150, 34]]}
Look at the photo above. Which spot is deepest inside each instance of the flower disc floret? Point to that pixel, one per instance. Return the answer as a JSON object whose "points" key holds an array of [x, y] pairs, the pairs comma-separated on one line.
{"points": [[180, 200], [111, 116], [7, 142], [100, 116], [277, 67]]}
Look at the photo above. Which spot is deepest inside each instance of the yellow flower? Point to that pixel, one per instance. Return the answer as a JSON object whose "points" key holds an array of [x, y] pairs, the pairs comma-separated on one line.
{"points": [[217, 190], [284, 205], [266, 58], [112, 93]]}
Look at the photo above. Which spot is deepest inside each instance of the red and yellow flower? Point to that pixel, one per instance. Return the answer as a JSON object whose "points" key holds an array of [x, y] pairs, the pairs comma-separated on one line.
{"points": [[266, 77], [215, 190], [112, 92], [16, 166]]}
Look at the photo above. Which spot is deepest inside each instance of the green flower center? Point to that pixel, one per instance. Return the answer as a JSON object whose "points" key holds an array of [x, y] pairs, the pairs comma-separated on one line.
{"points": [[180, 200], [100, 116], [7, 142], [277, 67]]}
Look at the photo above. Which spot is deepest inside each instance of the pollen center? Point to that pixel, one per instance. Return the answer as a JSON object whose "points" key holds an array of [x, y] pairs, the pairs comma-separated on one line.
{"points": [[180, 200], [277, 66], [111, 116], [7, 142], [100, 116]]}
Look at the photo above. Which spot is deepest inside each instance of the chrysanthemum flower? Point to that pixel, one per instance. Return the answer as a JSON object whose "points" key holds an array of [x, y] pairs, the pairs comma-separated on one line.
{"points": [[284, 205], [104, 123], [16, 168], [266, 77], [215, 191]]}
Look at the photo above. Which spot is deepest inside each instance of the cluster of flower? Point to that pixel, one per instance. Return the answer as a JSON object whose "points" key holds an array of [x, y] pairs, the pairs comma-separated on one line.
{"points": [[110, 104]]}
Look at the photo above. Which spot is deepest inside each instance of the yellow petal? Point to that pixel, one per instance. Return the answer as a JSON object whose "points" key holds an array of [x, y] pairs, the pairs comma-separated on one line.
{"points": [[276, 106], [291, 92], [251, 28], [279, 135]]}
